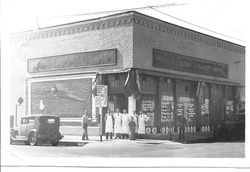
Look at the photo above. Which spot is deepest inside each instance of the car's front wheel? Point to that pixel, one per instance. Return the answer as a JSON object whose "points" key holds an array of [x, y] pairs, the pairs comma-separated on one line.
{"points": [[55, 142], [32, 139]]}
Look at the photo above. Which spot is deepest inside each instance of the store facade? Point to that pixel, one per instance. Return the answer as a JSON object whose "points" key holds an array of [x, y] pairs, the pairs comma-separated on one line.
{"points": [[150, 65]]}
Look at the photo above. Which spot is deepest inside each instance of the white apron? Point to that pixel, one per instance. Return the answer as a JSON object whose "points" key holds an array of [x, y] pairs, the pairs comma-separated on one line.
{"points": [[136, 122], [141, 121], [118, 123], [109, 123], [125, 124]]}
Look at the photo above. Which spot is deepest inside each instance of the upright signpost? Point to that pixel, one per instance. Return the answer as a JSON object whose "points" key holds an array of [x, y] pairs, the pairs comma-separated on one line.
{"points": [[20, 101], [101, 101]]}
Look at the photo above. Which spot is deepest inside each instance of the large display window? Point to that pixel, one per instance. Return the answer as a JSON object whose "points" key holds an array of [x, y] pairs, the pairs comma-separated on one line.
{"points": [[204, 101], [229, 101], [148, 103], [166, 101], [186, 103]]}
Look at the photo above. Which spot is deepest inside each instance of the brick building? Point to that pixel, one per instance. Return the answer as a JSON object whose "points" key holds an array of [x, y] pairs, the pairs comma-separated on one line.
{"points": [[170, 70]]}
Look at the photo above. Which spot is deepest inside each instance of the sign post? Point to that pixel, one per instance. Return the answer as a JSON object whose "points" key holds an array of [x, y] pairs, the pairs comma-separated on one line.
{"points": [[101, 101], [20, 101]]}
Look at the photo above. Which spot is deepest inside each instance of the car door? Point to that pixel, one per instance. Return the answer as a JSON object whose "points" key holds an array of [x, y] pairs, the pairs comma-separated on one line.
{"points": [[30, 124], [23, 126]]}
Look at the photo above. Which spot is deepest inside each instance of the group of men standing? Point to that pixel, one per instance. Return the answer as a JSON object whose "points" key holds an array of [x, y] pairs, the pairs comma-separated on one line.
{"points": [[124, 125]]}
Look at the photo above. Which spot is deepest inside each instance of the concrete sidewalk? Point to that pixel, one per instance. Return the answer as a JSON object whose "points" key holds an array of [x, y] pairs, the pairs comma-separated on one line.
{"points": [[76, 140]]}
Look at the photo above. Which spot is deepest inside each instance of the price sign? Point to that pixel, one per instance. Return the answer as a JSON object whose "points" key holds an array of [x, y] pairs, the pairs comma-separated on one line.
{"points": [[102, 96], [101, 101], [148, 107], [102, 90], [166, 108]]}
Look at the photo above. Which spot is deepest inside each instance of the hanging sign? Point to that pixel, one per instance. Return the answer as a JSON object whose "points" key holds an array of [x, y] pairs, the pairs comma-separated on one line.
{"points": [[101, 101], [102, 96], [102, 90]]}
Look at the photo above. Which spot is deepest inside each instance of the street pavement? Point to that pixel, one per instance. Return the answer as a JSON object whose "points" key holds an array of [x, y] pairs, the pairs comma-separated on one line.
{"points": [[20, 154]]}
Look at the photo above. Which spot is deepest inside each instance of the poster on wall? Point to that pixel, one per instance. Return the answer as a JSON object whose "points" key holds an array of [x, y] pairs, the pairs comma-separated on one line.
{"points": [[180, 109], [190, 110], [186, 107], [147, 107], [205, 112], [229, 107], [205, 107], [167, 108], [64, 98]]}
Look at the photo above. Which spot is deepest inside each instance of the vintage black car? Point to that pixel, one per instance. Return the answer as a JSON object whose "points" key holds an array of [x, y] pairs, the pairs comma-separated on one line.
{"points": [[233, 128], [37, 128]]}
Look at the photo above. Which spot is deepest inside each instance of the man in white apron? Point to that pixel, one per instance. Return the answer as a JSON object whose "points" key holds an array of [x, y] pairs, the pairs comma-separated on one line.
{"points": [[109, 124], [118, 124], [141, 121], [125, 124]]}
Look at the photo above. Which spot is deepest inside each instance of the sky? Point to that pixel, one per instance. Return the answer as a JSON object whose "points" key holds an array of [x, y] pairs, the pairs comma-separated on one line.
{"points": [[224, 16]]}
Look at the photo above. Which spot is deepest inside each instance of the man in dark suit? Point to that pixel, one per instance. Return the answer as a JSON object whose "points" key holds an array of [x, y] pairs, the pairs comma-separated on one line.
{"points": [[182, 123]]}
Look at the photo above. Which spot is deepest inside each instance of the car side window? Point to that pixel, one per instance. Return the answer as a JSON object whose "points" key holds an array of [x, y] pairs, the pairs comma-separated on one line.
{"points": [[51, 121], [31, 120], [24, 121]]}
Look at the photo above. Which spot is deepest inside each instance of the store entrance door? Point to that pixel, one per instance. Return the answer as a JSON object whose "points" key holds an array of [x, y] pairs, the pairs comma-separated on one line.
{"points": [[217, 111], [118, 101]]}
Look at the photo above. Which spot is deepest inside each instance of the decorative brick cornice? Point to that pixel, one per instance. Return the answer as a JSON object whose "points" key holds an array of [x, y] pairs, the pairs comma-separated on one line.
{"points": [[127, 19], [71, 29]]}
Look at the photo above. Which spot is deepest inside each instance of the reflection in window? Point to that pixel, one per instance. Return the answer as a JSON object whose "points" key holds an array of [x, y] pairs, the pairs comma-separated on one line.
{"points": [[51, 121], [31, 120]]}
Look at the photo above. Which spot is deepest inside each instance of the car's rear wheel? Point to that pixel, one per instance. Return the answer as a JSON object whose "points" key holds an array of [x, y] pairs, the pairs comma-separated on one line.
{"points": [[32, 139], [55, 142]]}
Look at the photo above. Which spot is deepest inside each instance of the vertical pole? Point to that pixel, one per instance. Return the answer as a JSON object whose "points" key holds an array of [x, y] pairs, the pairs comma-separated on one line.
{"points": [[175, 102], [16, 116], [210, 104], [100, 111], [197, 108], [170, 133], [131, 104]]}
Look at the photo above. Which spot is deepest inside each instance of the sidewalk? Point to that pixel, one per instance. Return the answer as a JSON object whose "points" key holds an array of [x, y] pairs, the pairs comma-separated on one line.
{"points": [[76, 140]]}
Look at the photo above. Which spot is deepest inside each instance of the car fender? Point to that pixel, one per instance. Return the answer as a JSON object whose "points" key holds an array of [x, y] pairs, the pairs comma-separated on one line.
{"points": [[33, 130], [13, 133]]}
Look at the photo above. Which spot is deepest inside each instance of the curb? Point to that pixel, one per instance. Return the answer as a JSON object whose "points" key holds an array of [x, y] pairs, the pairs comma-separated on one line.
{"points": [[72, 143]]}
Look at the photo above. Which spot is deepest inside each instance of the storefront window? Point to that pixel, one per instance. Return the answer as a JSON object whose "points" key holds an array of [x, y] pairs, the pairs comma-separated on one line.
{"points": [[186, 101], [148, 84], [148, 108], [148, 98], [166, 101], [229, 102], [205, 103]]}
